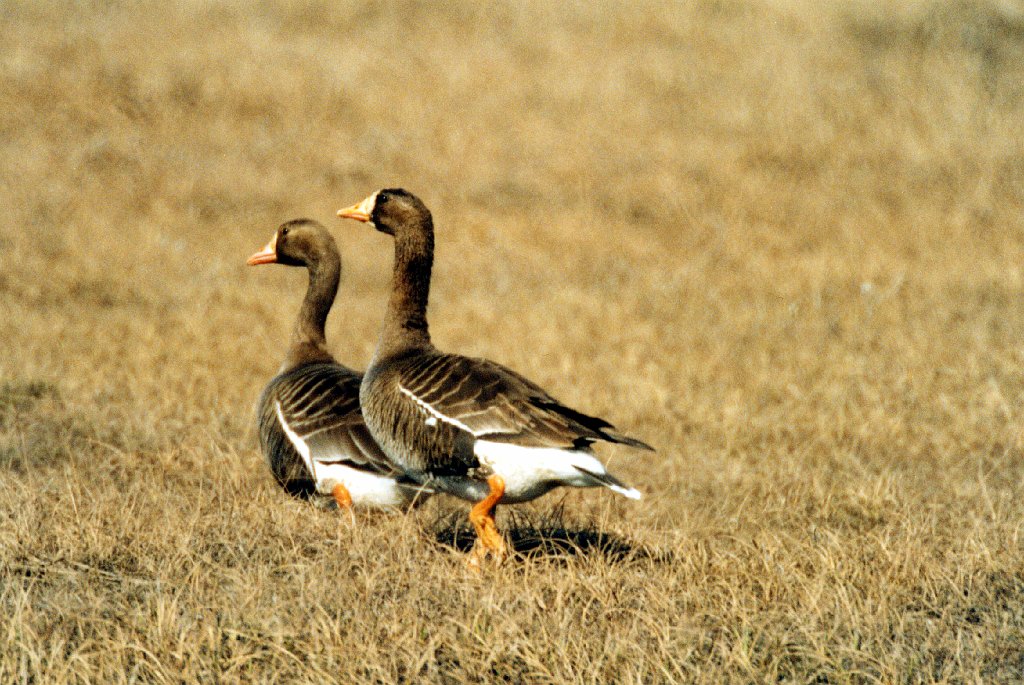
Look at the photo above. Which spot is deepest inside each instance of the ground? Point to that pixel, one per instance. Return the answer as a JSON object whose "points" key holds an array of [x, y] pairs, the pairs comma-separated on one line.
{"points": [[779, 240]]}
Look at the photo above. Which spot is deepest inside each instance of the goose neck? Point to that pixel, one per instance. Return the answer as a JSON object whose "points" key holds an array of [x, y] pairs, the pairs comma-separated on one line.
{"points": [[309, 342], [405, 323]]}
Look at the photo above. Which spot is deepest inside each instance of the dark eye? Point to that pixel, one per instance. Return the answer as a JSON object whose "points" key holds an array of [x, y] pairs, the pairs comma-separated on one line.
{"points": [[284, 231], [382, 198]]}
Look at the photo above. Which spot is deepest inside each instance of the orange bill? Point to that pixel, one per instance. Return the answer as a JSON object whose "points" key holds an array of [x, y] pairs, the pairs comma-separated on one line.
{"points": [[268, 255], [361, 211]]}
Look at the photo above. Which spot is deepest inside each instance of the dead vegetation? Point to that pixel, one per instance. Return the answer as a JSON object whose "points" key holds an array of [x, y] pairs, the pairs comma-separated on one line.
{"points": [[781, 241]]}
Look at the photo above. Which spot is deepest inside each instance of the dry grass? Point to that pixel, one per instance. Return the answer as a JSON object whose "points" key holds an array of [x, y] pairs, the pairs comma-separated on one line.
{"points": [[783, 241]]}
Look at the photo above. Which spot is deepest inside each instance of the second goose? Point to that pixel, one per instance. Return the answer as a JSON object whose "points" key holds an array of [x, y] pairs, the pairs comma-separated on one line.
{"points": [[311, 430]]}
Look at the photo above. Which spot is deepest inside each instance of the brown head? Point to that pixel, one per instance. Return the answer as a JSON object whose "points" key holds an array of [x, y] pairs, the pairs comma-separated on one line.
{"points": [[394, 211], [299, 242]]}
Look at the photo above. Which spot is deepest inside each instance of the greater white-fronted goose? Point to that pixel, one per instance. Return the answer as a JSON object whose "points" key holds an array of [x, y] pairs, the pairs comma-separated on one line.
{"points": [[311, 430], [468, 427]]}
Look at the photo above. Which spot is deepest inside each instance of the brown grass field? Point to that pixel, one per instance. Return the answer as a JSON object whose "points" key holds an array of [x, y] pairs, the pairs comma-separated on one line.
{"points": [[783, 241]]}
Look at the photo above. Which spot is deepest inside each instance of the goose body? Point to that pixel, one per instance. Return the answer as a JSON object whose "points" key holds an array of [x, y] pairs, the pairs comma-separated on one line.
{"points": [[458, 419], [311, 429], [466, 426], [314, 439]]}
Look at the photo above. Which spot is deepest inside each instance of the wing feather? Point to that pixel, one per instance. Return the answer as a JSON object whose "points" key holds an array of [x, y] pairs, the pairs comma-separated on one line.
{"points": [[492, 402], [315, 408]]}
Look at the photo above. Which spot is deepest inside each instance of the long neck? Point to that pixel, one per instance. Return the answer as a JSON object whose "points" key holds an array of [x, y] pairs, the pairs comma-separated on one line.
{"points": [[405, 322], [309, 343]]}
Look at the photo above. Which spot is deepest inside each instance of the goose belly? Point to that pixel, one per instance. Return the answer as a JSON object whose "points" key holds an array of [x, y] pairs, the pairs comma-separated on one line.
{"points": [[529, 472], [367, 489]]}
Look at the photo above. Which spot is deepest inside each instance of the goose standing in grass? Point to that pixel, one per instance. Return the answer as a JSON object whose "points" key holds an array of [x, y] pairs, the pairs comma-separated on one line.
{"points": [[467, 427], [311, 430]]}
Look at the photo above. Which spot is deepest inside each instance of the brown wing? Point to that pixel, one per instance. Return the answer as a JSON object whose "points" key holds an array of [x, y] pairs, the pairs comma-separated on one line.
{"points": [[440, 404], [315, 409]]}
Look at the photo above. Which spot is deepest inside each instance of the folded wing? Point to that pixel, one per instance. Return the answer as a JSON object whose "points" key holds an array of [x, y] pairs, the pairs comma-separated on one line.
{"points": [[494, 403]]}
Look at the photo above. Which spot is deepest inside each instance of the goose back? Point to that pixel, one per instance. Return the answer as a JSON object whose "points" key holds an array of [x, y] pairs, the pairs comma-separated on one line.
{"points": [[428, 410]]}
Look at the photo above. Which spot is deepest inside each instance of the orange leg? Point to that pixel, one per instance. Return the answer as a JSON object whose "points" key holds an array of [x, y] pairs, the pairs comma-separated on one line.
{"points": [[488, 539], [341, 496]]}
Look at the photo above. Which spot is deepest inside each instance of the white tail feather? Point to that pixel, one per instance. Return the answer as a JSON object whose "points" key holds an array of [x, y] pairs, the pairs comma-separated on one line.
{"points": [[631, 493]]}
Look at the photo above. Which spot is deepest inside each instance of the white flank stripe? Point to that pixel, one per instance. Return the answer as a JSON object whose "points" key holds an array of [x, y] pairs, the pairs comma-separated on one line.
{"points": [[298, 443], [435, 414], [366, 489], [531, 471]]}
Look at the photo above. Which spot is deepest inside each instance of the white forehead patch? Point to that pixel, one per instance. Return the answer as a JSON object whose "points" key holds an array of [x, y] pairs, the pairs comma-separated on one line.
{"points": [[367, 205]]}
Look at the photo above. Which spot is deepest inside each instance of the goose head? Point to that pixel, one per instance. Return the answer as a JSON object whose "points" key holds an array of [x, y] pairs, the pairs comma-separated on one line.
{"points": [[300, 242], [390, 210]]}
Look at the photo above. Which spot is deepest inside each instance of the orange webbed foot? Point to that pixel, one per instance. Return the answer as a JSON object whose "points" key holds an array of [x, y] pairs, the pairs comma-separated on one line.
{"points": [[489, 542]]}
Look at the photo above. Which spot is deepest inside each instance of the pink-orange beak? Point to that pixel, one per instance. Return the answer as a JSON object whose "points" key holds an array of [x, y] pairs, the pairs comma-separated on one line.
{"points": [[268, 255], [361, 211]]}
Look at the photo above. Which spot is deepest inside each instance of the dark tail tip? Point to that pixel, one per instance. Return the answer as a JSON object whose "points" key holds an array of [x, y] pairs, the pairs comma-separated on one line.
{"points": [[626, 440]]}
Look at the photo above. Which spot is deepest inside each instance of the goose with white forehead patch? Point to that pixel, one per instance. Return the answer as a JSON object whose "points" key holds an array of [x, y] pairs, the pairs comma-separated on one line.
{"points": [[468, 427], [311, 429]]}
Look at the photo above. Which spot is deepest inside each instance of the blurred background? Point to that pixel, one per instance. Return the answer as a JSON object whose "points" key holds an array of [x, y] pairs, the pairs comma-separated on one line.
{"points": [[781, 240]]}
